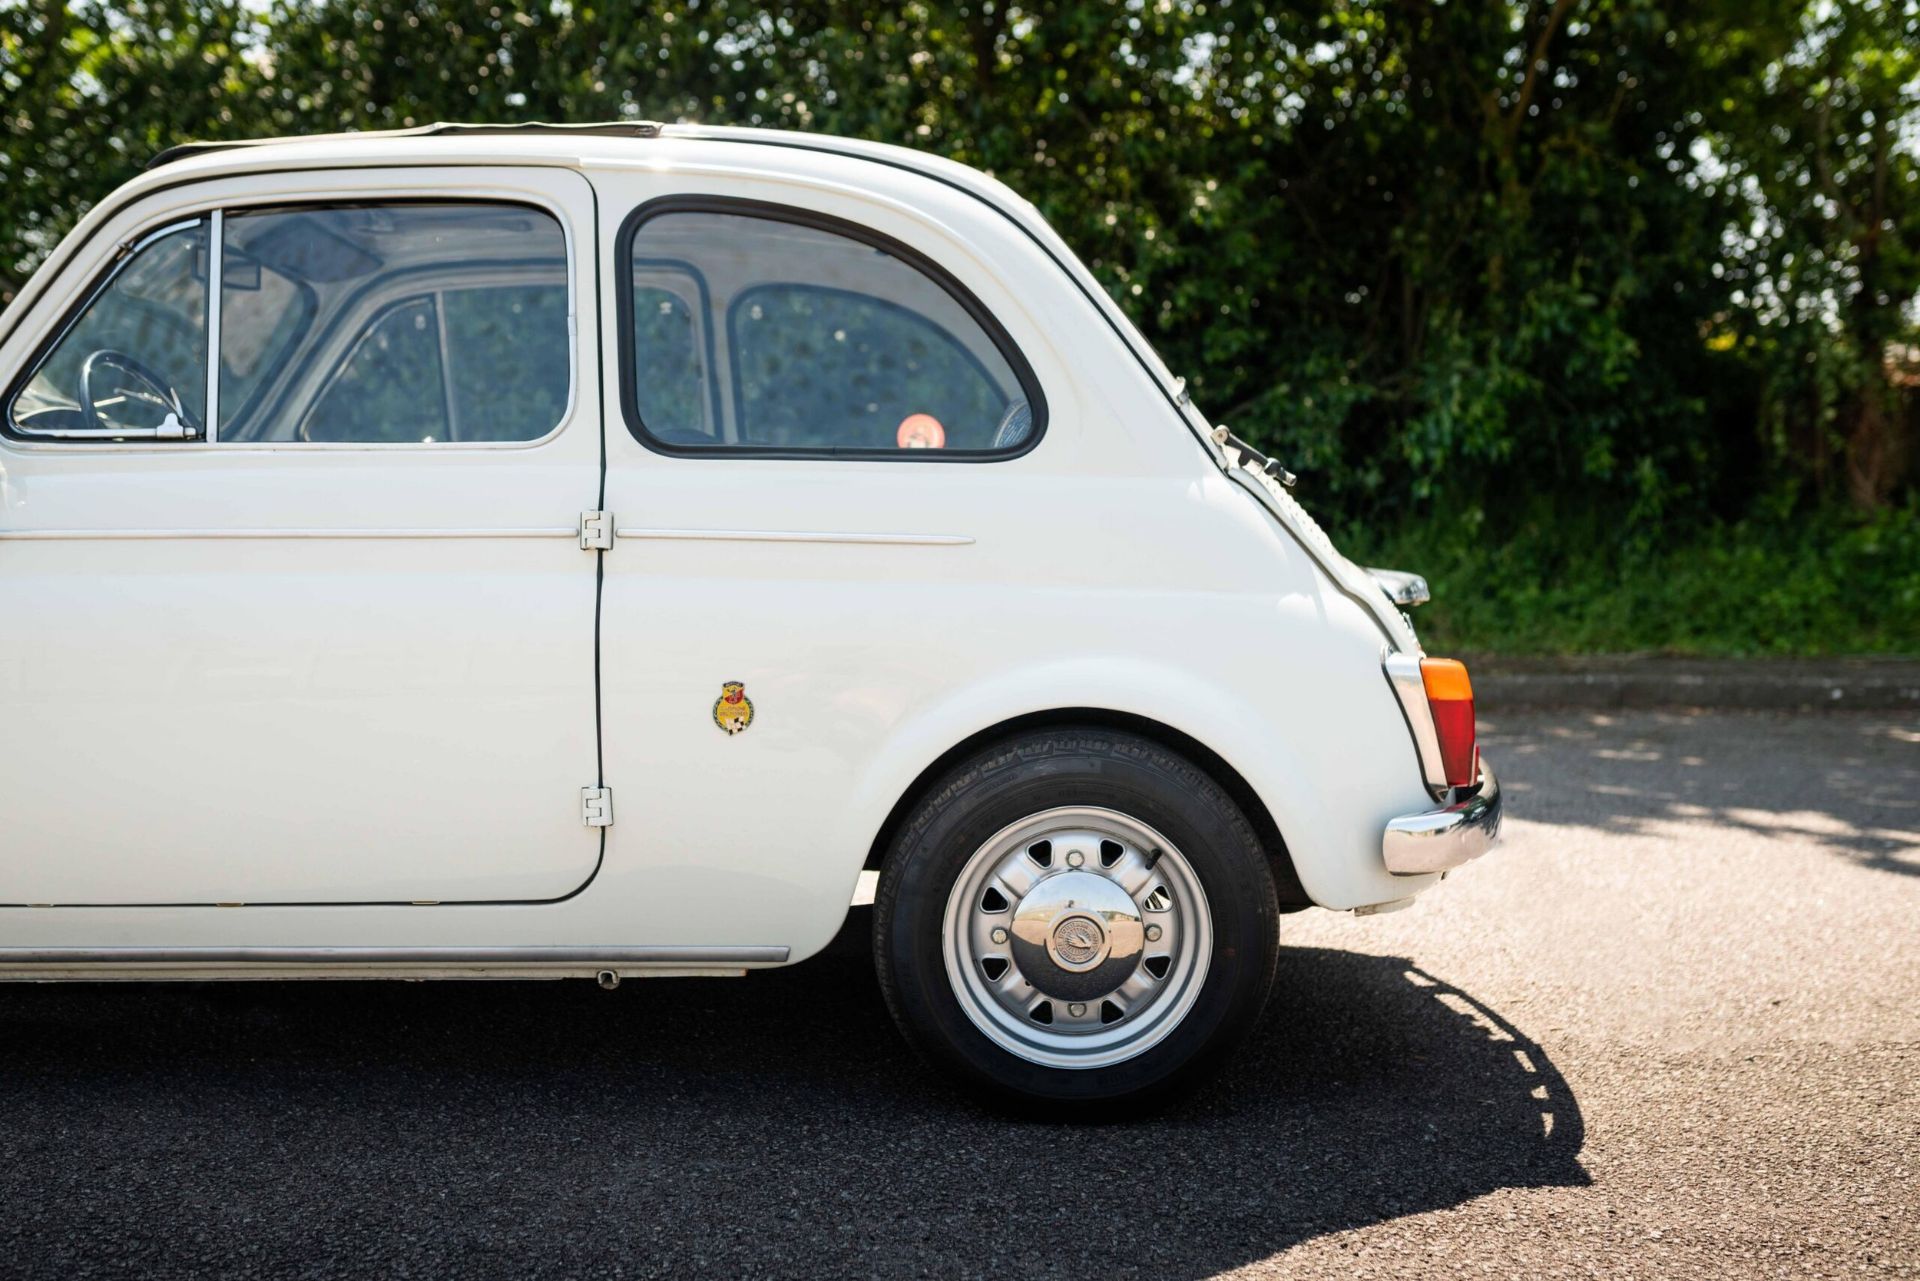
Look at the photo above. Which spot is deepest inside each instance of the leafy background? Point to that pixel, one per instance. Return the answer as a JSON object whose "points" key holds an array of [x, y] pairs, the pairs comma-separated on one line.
{"points": [[1602, 313]]}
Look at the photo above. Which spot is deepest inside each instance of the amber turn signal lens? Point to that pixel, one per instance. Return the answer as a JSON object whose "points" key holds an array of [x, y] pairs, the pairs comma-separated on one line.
{"points": [[1446, 678], [1450, 697]]}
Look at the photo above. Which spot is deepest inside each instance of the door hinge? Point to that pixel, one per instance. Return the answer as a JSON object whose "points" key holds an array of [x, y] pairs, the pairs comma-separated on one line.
{"points": [[596, 531], [596, 806]]}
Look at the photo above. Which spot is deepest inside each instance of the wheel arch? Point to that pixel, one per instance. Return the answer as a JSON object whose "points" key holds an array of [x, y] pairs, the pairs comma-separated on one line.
{"points": [[1286, 880]]}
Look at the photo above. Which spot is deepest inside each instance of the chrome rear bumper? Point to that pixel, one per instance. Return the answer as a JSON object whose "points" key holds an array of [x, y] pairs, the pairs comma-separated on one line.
{"points": [[1436, 840]]}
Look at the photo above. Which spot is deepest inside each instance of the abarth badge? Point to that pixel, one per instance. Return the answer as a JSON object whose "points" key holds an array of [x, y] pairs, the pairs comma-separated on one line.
{"points": [[733, 710]]}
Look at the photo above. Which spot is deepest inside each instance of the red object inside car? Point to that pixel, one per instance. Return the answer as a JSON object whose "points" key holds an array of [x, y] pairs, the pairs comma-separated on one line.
{"points": [[921, 431]]}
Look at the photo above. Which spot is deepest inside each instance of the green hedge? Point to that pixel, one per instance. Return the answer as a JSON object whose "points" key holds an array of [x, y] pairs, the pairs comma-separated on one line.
{"points": [[1824, 585]]}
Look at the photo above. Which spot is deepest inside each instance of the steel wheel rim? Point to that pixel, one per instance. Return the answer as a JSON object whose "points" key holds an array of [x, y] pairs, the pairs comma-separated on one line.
{"points": [[1085, 911]]}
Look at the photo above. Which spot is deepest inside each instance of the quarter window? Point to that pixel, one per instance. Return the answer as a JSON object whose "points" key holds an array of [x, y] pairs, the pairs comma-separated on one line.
{"points": [[133, 364], [793, 337]]}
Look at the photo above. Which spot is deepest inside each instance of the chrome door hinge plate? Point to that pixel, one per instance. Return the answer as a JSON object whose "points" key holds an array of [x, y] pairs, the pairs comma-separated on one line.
{"points": [[596, 531], [1251, 458], [596, 806]]}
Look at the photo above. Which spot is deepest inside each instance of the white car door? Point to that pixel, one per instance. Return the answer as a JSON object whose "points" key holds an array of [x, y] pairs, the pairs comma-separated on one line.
{"points": [[828, 495], [296, 610]]}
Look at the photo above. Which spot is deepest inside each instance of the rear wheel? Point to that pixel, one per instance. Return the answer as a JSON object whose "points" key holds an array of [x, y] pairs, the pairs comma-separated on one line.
{"points": [[1076, 918]]}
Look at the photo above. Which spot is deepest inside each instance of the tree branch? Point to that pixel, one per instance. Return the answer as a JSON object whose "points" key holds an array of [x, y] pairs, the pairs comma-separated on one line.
{"points": [[1535, 58]]}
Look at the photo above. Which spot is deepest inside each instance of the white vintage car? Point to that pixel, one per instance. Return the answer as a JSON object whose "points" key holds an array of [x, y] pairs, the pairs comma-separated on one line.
{"points": [[520, 552]]}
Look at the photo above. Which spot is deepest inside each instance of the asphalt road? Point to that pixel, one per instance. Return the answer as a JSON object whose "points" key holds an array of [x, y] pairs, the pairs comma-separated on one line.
{"points": [[1670, 1028]]}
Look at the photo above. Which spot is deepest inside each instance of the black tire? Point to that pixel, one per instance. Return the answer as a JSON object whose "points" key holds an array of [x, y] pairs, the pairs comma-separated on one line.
{"points": [[1044, 770]]}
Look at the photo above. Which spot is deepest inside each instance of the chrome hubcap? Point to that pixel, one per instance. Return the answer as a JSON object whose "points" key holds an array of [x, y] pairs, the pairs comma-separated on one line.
{"points": [[1077, 937]]}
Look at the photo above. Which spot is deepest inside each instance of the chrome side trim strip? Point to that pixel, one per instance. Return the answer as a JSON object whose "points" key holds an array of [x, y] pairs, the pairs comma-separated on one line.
{"points": [[443, 956], [72, 535], [795, 536], [1438, 840], [556, 531]]}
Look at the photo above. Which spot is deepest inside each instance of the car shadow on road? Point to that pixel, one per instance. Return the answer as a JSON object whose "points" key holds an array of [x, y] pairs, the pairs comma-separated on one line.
{"points": [[772, 1126]]}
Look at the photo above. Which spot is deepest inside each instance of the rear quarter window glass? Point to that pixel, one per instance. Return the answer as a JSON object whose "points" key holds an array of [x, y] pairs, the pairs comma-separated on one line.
{"points": [[804, 336], [825, 368]]}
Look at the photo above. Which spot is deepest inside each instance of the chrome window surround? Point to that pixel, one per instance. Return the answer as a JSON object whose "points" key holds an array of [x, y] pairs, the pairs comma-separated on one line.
{"points": [[14, 437]]}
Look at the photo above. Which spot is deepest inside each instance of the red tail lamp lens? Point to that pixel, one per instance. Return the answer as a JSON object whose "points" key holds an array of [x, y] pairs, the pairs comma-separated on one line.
{"points": [[1450, 695]]}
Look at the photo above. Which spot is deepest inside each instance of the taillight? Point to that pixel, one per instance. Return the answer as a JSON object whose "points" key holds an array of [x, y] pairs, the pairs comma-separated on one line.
{"points": [[1450, 695]]}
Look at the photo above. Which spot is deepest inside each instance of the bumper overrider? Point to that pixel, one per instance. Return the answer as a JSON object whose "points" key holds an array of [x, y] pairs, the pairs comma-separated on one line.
{"points": [[1438, 840]]}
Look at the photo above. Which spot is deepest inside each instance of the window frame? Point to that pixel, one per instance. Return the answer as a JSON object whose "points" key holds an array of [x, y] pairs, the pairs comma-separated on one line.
{"points": [[214, 216], [769, 211]]}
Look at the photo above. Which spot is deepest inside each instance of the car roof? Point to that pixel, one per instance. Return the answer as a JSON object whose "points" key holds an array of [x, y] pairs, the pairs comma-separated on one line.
{"points": [[439, 129], [561, 142], [609, 141], [613, 140]]}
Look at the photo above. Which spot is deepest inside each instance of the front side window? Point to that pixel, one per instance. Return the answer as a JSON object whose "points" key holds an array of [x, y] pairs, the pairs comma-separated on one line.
{"points": [[389, 323], [795, 336], [133, 362], [399, 324]]}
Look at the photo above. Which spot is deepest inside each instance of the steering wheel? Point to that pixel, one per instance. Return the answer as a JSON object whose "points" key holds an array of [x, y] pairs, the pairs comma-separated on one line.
{"points": [[154, 389], [1015, 426]]}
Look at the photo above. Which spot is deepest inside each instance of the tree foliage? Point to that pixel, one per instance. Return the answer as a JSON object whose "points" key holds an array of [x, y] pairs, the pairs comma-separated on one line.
{"points": [[1652, 261]]}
